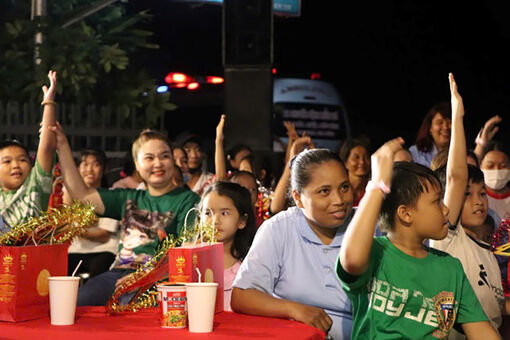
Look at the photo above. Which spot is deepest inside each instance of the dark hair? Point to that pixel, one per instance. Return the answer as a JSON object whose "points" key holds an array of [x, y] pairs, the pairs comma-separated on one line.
{"points": [[231, 154], [98, 154], [475, 175], [128, 165], [496, 146], [236, 174], [472, 154], [347, 146], [302, 164], [240, 196], [424, 141], [408, 182], [14, 142]]}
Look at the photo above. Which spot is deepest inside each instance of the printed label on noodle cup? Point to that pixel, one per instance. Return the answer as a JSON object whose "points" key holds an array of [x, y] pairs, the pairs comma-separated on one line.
{"points": [[172, 305]]}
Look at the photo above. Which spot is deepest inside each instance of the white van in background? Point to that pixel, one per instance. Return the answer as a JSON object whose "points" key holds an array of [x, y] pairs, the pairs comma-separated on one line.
{"points": [[314, 107]]}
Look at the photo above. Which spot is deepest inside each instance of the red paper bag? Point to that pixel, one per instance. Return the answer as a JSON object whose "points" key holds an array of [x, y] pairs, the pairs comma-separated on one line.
{"points": [[207, 258], [24, 290]]}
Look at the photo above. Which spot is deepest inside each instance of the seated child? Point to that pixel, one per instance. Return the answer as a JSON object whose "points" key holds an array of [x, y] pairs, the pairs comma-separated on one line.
{"points": [[229, 207], [97, 246], [465, 241], [25, 190], [398, 286]]}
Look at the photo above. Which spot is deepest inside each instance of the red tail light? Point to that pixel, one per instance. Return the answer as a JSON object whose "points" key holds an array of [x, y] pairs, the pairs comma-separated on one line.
{"points": [[214, 80], [175, 78], [193, 86]]}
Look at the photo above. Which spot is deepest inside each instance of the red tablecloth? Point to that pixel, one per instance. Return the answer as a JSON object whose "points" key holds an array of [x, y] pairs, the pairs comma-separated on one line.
{"points": [[93, 324]]}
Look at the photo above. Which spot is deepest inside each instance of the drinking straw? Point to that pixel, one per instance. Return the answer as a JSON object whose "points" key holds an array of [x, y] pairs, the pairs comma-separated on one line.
{"points": [[199, 275], [78, 266]]}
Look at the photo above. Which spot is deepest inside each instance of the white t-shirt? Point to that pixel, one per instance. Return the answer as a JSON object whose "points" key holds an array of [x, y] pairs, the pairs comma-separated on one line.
{"points": [[500, 204], [81, 245], [481, 268]]}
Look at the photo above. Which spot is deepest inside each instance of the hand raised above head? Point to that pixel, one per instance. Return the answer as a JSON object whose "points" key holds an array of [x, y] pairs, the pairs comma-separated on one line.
{"points": [[382, 160], [219, 127], [488, 131], [456, 99], [299, 144], [291, 130], [49, 93]]}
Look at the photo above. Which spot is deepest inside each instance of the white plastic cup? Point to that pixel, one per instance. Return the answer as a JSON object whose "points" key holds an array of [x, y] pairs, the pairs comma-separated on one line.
{"points": [[201, 299], [63, 296]]}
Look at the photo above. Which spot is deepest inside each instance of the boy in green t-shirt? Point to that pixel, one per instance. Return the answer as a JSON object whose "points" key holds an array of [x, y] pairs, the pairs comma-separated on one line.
{"points": [[399, 288], [25, 190]]}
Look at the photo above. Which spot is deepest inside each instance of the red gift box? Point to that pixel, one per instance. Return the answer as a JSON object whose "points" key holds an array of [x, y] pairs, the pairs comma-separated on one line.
{"points": [[24, 290], [208, 258]]}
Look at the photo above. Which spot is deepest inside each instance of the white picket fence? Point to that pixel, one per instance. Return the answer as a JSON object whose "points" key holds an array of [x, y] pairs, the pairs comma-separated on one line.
{"points": [[110, 129]]}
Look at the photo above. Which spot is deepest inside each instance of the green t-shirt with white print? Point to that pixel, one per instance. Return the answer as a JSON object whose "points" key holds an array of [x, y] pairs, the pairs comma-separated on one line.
{"points": [[17, 206], [403, 297]]}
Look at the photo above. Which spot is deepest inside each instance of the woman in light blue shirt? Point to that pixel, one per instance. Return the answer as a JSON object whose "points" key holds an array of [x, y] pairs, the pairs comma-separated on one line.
{"points": [[433, 135], [289, 271]]}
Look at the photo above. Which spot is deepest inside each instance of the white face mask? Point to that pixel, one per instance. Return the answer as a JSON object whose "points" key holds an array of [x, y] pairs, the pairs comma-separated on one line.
{"points": [[496, 179]]}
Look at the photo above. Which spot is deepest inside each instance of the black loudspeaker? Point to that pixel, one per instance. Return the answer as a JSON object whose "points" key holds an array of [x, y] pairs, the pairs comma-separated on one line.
{"points": [[247, 33], [248, 106]]}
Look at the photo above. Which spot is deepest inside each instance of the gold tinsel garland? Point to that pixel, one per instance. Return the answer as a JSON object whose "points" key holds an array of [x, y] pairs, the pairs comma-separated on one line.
{"points": [[143, 281], [58, 225]]}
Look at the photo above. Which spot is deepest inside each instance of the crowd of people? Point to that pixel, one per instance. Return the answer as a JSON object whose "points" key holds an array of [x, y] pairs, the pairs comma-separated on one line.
{"points": [[394, 245]]}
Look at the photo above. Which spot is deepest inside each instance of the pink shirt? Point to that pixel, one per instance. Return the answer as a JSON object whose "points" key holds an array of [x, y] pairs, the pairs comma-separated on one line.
{"points": [[228, 279]]}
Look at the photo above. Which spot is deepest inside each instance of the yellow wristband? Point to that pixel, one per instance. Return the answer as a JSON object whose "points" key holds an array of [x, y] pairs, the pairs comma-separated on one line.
{"points": [[48, 102]]}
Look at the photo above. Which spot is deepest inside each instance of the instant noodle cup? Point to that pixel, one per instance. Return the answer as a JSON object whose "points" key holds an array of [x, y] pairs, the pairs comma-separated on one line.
{"points": [[172, 305]]}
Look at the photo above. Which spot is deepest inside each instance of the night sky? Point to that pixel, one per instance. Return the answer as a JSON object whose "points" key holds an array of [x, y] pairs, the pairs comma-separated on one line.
{"points": [[389, 59]]}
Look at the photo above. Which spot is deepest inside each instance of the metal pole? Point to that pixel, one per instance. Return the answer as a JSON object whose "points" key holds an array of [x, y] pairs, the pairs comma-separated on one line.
{"points": [[39, 11]]}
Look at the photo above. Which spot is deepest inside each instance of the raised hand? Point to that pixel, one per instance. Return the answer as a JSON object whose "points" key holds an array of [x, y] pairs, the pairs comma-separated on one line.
{"points": [[382, 160], [219, 129], [489, 130], [49, 93], [291, 131], [299, 144], [456, 99], [59, 135]]}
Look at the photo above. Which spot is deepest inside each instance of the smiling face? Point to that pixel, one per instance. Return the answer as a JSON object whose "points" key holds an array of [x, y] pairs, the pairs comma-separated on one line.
{"points": [[14, 167], [154, 163], [440, 129], [221, 211], [474, 211], [91, 171], [327, 198], [358, 162]]}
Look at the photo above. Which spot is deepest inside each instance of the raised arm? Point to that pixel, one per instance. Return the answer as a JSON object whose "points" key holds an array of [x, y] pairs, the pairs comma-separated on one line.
{"points": [[219, 153], [46, 147], [355, 250], [73, 182], [279, 201], [485, 136], [456, 168], [292, 134]]}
